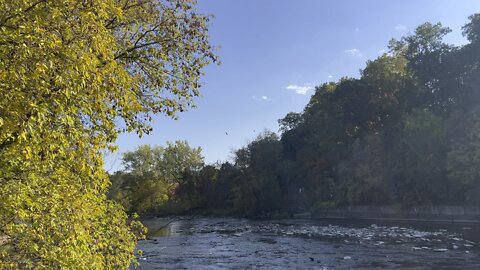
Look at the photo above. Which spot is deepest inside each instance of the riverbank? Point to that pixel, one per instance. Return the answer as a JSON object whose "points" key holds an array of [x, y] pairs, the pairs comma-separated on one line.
{"points": [[444, 214], [439, 214]]}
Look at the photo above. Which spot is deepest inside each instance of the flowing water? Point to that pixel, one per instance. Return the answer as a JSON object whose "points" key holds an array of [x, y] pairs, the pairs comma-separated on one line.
{"points": [[227, 243]]}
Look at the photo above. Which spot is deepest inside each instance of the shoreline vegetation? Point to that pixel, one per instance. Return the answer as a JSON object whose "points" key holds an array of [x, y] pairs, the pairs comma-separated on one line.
{"points": [[403, 135], [434, 214]]}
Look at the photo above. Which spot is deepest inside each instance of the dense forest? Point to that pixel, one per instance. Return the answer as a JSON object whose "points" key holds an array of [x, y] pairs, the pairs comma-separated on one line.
{"points": [[405, 133]]}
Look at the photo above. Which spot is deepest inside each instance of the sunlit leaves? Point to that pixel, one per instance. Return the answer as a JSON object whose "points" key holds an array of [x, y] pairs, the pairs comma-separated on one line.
{"points": [[153, 173], [73, 74]]}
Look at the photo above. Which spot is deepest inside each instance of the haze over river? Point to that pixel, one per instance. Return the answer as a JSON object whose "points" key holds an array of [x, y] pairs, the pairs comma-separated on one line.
{"points": [[228, 243]]}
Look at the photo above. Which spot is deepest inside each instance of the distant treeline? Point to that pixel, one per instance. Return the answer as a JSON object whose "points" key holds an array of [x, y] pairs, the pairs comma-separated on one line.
{"points": [[407, 133]]}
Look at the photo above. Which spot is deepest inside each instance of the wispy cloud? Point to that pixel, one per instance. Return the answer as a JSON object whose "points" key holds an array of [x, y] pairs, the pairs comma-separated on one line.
{"points": [[330, 76], [356, 29], [260, 98], [400, 27], [354, 52], [382, 51], [300, 89]]}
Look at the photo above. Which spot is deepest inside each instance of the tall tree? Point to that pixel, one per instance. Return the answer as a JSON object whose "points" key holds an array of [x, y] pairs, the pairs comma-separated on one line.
{"points": [[153, 173], [70, 71]]}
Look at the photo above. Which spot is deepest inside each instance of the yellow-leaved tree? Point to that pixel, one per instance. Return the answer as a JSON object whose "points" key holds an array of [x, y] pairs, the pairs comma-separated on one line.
{"points": [[73, 75]]}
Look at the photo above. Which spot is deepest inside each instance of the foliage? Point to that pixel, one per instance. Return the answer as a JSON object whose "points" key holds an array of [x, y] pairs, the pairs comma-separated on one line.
{"points": [[69, 72], [404, 133], [153, 175]]}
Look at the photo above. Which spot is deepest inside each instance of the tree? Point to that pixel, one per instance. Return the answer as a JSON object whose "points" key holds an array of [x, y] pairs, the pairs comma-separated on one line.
{"points": [[472, 29], [364, 176], [291, 121], [73, 74], [153, 174], [257, 191], [463, 158], [392, 88], [419, 169], [178, 158]]}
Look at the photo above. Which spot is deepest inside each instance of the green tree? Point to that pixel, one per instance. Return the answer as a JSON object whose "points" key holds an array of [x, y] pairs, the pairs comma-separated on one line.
{"points": [[419, 169], [291, 121], [178, 158], [257, 191], [365, 175], [154, 173], [70, 71], [463, 158]]}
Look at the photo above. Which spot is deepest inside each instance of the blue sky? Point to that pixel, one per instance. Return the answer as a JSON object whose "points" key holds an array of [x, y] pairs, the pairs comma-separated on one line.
{"points": [[273, 53]]}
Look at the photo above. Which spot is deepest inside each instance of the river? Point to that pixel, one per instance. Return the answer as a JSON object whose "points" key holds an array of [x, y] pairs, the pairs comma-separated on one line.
{"points": [[228, 243]]}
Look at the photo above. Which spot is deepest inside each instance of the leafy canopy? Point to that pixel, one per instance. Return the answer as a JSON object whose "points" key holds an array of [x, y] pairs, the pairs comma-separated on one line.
{"points": [[73, 74], [153, 174]]}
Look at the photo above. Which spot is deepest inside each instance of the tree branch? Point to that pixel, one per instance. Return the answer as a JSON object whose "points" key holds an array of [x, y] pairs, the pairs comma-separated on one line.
{"points": [[4, 21]]}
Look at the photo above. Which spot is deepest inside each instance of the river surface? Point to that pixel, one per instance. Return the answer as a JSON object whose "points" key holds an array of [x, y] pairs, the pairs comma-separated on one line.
{"points": [[227, 243]]}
